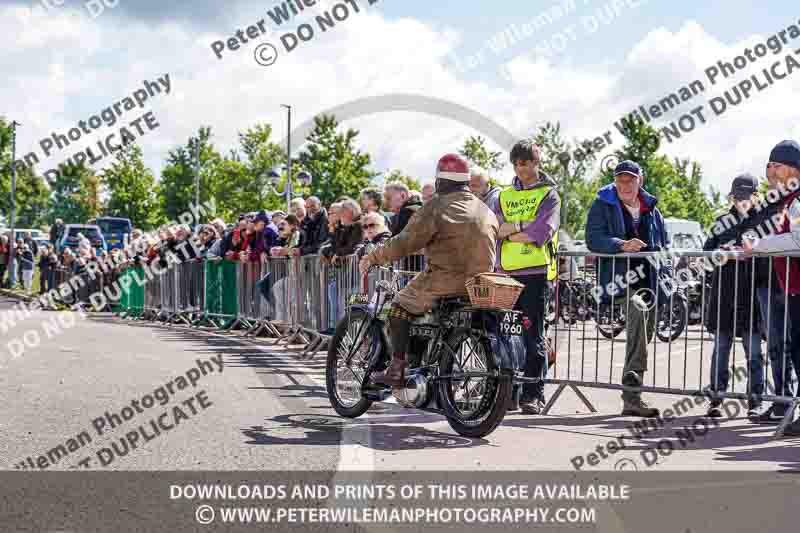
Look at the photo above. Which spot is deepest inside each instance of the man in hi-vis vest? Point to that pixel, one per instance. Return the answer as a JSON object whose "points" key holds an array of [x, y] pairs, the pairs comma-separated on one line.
{"points": [[529, 213]]}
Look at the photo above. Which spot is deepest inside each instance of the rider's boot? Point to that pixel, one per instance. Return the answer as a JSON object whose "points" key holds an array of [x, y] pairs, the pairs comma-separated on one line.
{"points": [[394, 376]]}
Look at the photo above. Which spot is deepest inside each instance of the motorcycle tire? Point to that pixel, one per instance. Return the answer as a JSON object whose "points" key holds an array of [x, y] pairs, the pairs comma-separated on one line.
{"points": [[492, 408], [681, 310], [335, 351]]}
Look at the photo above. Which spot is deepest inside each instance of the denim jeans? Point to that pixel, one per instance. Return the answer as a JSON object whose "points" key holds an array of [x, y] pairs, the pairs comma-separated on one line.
{"points": [[333, 304], [772, 308], [720, 357], [12, 273]]}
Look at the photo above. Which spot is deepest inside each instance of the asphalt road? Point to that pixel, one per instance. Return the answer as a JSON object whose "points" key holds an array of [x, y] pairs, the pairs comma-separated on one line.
{"points": [[269, 411]]}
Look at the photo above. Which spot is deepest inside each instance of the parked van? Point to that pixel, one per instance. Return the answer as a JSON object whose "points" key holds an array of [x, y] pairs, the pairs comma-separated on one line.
{"points": [[69, 239], [684, 234]]}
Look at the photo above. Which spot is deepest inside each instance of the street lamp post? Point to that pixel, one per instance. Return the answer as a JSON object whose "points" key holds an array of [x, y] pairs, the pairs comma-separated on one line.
{"points": [[288, 158], [197, 174], [273, 177], [12, 239], [564, 159]]}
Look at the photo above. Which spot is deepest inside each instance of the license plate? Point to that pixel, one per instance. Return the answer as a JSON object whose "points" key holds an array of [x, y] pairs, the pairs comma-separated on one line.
{"points": [[510, 324], [358, 299]]}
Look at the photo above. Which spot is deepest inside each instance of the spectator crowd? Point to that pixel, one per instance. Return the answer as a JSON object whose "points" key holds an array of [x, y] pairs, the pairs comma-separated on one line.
{"points": [[525, 218]]}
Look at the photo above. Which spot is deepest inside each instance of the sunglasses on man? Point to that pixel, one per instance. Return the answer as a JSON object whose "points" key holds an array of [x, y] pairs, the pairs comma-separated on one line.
{"points": [[370, 226]]}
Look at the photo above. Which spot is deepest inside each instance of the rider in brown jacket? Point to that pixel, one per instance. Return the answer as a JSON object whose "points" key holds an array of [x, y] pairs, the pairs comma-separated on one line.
{"points": [[458, 233]]}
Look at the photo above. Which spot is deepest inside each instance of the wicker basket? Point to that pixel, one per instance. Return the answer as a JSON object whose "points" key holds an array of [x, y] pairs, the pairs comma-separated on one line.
{"points": [[496, 291]]}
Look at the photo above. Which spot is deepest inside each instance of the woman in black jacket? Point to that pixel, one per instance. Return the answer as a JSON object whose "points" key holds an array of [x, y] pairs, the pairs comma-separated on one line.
{"points": [[375, 233], [731, 307]]}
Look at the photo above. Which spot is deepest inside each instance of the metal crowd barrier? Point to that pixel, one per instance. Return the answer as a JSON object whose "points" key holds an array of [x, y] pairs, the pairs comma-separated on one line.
{"points": [[286, 297], [594, 338]]}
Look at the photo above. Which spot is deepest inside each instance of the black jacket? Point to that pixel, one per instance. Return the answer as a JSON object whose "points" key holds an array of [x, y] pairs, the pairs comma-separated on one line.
{"points": [[346, 240], [726, 231], [722, 281], [316, 233], [401, 219]]}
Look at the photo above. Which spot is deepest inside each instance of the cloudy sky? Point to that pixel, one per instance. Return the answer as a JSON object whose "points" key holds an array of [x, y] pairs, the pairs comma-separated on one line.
{"points": [[590, 63]]}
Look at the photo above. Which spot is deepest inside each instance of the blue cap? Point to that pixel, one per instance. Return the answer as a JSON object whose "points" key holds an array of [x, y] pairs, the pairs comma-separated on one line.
{"points": [[262, 216], [628, 167]]}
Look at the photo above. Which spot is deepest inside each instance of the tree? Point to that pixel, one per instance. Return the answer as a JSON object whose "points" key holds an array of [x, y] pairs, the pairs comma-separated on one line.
{"points": [[33, 199], [75, 194], [397, 176], [677, 184], [576, 188], [337, 167], [477, 153], [262, 156], [235, 188], [176, 192], [132, 189]]}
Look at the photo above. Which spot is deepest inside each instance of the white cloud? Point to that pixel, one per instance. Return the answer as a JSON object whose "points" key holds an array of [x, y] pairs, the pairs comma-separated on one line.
{"points": [[66, 68]]}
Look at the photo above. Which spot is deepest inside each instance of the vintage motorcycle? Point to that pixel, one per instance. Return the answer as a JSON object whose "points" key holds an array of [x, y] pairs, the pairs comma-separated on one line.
{"points": [[462, 360]]}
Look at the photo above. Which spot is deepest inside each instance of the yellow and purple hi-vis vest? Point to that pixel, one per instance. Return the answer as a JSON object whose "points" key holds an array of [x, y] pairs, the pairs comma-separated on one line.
{"points": [[522, 206]]}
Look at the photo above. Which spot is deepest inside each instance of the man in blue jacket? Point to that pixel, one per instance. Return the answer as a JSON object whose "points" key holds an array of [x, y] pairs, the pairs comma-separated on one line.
{"points": [[624, 219]]}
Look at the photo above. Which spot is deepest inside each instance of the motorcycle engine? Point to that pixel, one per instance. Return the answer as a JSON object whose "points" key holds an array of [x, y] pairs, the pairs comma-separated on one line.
{"points": [[417, 391]]}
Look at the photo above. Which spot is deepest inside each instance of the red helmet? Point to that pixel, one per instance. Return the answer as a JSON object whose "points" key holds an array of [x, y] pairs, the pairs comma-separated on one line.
{"points": [[453, 167]]}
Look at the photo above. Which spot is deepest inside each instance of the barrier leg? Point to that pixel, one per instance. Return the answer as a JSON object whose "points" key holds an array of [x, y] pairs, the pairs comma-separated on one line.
{"points": [[787, 418], [578, 393]]}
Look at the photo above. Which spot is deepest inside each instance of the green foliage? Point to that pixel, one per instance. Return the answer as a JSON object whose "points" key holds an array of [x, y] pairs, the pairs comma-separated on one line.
{"points": [[677, 184], [132, 189], [336, 166], [33, 199], [577, 190], [397, 176], [262, 155], [176, 191], [476, 152], [76, 194]]}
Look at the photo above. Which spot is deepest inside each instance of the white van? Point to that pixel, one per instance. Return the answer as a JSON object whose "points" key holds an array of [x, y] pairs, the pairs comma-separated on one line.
{"points": [[685, 234]]}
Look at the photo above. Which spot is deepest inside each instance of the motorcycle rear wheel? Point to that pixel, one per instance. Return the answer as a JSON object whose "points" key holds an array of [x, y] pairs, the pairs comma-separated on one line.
{"points": [[472, 418]]}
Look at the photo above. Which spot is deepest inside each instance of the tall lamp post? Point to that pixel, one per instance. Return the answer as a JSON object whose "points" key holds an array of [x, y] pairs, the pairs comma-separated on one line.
{"points": [[273, 177], [564, 158], [12, 241], [197, 174], [288, 158]]}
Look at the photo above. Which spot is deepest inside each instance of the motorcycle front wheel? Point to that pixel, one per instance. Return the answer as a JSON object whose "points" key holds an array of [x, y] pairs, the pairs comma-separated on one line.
{"points": [[343, 381]]}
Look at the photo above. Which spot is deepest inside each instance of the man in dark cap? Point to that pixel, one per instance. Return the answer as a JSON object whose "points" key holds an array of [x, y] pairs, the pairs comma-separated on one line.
{"points": [[733, 282], [624, 219]]}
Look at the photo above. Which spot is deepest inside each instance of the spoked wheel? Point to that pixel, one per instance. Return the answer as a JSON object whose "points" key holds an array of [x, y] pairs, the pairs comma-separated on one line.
{"points": [[672, 319], [610, 326], [474, 406], [343, 381]]}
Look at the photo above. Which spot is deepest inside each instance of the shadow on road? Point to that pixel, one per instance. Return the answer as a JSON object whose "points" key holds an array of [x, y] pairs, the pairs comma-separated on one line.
{"points": [[319, 430]]}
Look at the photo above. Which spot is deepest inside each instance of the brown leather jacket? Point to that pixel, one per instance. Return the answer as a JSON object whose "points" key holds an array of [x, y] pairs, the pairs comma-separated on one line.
{"points": [[458, 233]]}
